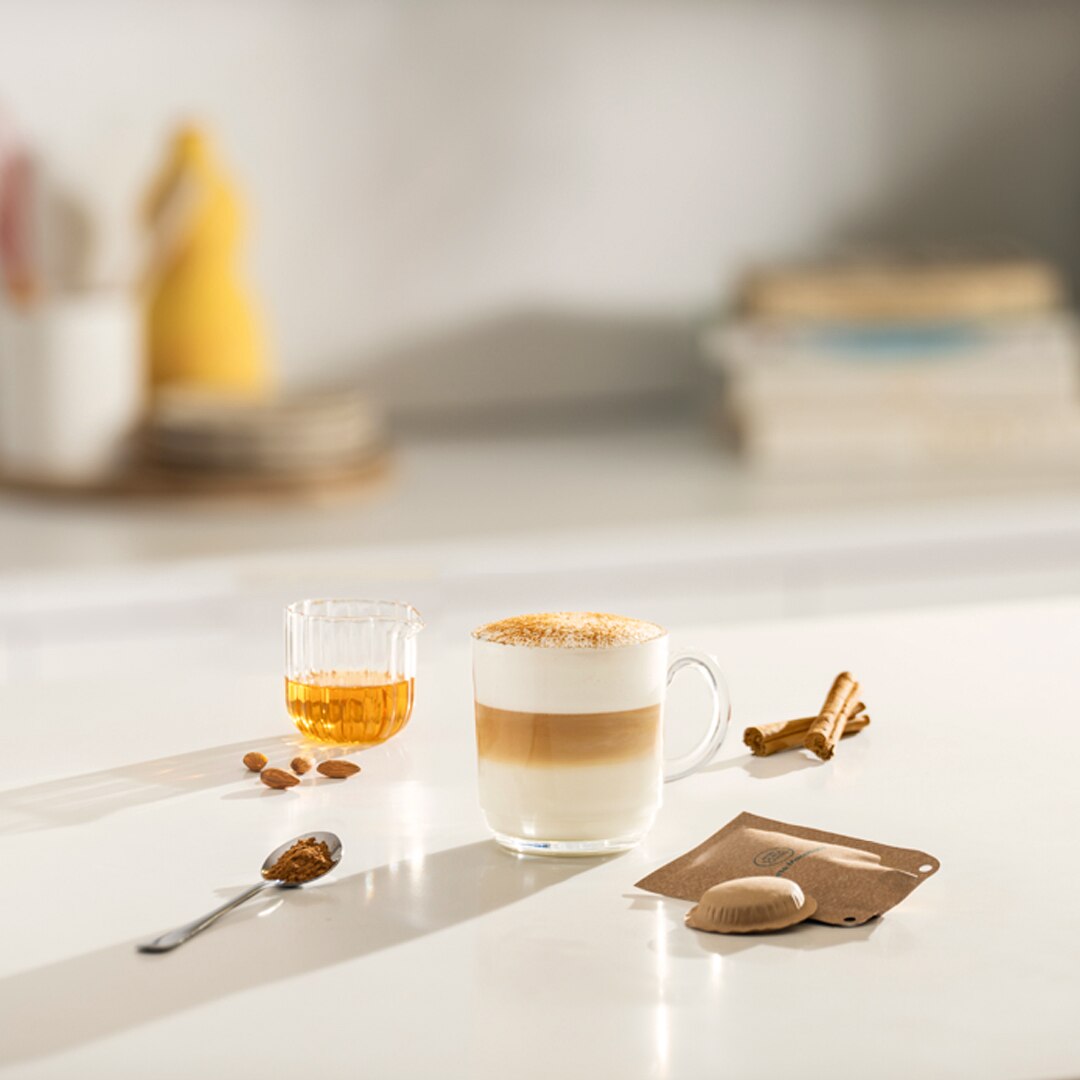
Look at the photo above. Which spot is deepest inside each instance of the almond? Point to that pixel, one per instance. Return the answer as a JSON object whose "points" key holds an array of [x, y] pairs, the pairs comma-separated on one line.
{"points": [[301, 765], [277, 778], [255, 761], [337, 768]]}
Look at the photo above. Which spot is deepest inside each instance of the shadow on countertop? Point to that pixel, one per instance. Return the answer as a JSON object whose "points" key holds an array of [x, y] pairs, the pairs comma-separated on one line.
{"points": [[112, 990], [765, 768], [74, 800]]}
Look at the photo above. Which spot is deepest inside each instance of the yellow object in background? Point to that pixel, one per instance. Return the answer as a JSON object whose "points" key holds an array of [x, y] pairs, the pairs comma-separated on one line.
{"points": [[203, 330]]}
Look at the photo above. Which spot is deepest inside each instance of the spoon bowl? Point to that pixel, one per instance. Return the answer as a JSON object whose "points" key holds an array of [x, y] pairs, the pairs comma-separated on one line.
{"points": [[332, 842]]}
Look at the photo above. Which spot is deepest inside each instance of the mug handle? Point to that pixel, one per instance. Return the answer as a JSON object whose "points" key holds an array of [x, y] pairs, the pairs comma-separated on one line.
{"points": [[677, 768]]}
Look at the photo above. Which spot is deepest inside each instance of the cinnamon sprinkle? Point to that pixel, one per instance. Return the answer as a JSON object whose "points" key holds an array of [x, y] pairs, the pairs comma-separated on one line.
{"points": [[570, 630]]}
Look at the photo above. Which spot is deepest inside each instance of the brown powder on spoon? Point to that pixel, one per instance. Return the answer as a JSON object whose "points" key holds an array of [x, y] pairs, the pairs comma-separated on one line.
{"points": [[304, 861]]}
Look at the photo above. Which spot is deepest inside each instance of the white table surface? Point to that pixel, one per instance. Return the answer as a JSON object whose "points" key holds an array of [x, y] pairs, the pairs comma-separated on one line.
{"points": [[124, 810], [450, 488]]}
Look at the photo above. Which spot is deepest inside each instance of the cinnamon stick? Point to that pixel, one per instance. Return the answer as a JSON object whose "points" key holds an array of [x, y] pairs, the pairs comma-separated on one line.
{"points": [[767, 739], [838, 709]]}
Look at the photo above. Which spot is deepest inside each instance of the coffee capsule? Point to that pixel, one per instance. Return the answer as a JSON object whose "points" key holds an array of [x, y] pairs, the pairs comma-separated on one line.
{"points": [[745, 905]]}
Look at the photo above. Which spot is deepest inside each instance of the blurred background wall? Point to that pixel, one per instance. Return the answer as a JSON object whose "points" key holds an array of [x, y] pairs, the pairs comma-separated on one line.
{"points": [[443, 188], [479, 202]]}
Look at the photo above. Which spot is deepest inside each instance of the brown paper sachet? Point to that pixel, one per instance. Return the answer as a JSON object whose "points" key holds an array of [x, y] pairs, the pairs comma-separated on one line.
{"points": [[852, 880]]}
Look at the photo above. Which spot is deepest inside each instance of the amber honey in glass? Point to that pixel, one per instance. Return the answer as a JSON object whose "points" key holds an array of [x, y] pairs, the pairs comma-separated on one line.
{"points": [[350, 668], [350, 706]]}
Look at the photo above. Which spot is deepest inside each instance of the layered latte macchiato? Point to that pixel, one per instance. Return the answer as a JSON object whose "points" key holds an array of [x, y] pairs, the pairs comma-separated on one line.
{"points": [[568, 729]]}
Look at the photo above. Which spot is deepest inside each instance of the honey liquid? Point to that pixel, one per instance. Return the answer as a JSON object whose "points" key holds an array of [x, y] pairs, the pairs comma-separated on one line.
{"points": [[349, 706]]}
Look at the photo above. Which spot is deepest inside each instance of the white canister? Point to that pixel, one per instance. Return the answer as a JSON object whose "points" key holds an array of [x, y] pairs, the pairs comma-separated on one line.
{"points": [[72, 387]]}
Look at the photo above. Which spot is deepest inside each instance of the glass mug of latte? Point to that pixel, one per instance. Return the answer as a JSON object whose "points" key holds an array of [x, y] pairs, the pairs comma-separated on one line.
{"points": [[569, 709]]}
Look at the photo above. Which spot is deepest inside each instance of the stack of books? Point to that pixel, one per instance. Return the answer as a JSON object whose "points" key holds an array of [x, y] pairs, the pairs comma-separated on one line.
{"points": [[902, 365]]}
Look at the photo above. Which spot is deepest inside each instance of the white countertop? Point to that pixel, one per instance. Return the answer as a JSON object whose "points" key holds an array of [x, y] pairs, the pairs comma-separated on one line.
{"points": [[478, 524], [124, 810], [622, 476]]}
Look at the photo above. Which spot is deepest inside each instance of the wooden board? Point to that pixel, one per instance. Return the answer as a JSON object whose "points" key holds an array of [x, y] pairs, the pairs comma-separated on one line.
{"points": [[146, 480]]}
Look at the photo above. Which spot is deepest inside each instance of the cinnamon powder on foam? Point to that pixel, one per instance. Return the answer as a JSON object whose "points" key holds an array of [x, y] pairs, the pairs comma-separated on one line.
{"points": [[570, 630]]}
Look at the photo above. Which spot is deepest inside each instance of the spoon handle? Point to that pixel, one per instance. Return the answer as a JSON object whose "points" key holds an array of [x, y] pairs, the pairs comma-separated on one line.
{"points": [[171, 938]]}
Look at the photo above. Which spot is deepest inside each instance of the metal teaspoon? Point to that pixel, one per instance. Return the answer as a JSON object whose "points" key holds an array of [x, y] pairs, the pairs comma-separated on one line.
{"points": [[171, 938]]}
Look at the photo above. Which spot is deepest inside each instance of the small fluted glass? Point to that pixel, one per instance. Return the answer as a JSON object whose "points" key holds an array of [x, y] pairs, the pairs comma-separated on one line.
{"points": [[350, 668]]}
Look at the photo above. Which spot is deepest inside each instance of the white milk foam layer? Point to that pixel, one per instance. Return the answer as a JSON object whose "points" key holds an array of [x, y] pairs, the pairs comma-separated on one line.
{"points": [[614, 801], [522, 678]]}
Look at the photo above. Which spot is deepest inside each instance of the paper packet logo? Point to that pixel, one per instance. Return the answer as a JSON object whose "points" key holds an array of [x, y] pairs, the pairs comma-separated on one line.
{"points": [[773, 856], [783, 858]]}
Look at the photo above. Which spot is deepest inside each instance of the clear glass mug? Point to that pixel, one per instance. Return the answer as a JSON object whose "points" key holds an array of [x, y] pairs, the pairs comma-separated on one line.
{"points": [[350, 668], [570, 740]]}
